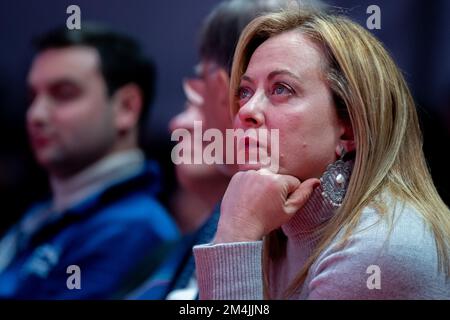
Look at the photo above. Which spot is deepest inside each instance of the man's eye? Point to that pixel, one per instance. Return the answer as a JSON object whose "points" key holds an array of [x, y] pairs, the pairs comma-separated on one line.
{"points": [[65, 92], [31, 95]]}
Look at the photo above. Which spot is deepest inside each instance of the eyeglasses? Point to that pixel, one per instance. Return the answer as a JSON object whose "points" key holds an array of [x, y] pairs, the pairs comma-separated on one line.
{"points": [[193, 89], [204, 69]]}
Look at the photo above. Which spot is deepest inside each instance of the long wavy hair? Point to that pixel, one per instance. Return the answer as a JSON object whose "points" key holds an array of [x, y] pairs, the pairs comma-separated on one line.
{"points": [[369, 89]]}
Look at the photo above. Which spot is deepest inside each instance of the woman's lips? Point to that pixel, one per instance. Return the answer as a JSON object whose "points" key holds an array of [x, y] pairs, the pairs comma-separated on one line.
{"points": [[248, 142], [254, 150]]}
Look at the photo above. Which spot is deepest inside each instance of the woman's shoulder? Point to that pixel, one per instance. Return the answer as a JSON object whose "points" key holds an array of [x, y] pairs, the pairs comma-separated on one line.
{"points": [[389, 255], [399, 226], [398, 233]]}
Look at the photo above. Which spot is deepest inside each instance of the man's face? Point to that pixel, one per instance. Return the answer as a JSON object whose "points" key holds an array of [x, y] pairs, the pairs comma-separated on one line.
{"points": [[215, 106], [190, 176], [70, 121], [207, 102]]}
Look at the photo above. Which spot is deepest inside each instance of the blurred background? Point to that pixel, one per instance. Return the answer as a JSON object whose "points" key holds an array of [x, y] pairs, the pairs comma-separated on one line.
{"points": [[416, 32]]}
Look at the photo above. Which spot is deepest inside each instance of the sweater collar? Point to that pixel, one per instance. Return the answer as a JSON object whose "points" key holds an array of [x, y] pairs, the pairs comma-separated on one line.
{"points": [[93, 179], [313, 214], [319, 207]]}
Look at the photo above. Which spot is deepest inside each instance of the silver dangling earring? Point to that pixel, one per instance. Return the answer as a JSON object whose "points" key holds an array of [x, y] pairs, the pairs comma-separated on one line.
{"points": [[335, 180]]}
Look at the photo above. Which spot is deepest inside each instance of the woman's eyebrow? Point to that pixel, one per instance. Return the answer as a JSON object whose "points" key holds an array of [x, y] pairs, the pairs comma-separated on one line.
{"points": [[275, 73], [247, 78], [272, 75]]}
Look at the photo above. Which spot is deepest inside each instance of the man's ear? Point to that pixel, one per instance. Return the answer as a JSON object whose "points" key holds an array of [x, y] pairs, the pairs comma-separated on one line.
{"points": [[128, 106], [347, 139]]}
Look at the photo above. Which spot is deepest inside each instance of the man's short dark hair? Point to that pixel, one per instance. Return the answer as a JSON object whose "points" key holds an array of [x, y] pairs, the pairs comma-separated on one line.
{"points": [[121, 58], [222, 28]]}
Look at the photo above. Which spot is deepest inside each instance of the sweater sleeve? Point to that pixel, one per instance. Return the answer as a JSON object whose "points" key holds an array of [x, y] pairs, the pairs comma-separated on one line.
{"points": [[230, 271]]}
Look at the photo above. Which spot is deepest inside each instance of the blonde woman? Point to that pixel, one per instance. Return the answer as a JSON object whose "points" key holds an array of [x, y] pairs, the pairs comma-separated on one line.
{"points": [[352, 212]]}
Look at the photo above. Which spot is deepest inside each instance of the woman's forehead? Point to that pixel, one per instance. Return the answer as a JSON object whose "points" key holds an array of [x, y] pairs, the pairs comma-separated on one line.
{"points": [[291, 51]]}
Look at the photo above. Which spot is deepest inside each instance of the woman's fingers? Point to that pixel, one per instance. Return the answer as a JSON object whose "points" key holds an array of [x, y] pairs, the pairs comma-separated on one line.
{"points": [[298, 198], [257, 202]]}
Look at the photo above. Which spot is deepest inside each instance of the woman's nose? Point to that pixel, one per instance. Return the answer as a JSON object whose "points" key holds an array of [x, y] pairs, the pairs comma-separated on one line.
{"points": [[251, 114]]}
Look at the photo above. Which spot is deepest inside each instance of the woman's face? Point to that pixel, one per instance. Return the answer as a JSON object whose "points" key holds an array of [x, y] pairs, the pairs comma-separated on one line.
{"points": [[283, 88]]}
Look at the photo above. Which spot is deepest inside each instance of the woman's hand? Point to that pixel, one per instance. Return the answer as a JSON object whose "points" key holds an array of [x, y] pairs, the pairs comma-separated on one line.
{"points": [[257, 202]]}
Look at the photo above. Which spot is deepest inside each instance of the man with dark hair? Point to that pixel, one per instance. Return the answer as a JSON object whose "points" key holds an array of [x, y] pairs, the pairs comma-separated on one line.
{"points": [[88, 92]]}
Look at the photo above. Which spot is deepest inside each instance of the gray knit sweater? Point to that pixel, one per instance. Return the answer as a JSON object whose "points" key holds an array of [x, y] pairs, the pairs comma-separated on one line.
{"points": [[374, 264]]}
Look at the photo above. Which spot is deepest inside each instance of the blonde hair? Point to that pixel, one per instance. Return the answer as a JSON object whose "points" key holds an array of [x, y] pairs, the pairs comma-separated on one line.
{"points": [[365, 82]]}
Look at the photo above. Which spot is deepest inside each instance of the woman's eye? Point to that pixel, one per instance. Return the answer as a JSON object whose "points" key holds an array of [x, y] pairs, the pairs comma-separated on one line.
{"points": [[281, 89], [244, 93]]}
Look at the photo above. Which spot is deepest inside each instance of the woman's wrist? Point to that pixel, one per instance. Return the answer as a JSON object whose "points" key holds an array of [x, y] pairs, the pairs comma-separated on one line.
{"points": [[223, 236]]}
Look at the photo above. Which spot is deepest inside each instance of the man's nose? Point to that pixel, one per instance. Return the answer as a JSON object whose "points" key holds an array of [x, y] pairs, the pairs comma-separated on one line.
{"points": [[185, 119], [251, 114], [38, 112]]}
